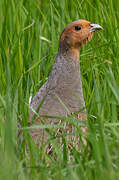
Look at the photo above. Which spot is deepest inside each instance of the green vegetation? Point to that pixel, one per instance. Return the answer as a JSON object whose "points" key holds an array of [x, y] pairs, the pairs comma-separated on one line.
{"points": [[29, 34]]}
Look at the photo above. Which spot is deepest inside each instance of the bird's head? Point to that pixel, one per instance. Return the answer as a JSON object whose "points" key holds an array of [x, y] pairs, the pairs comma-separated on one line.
{"points": [[78, 33]]}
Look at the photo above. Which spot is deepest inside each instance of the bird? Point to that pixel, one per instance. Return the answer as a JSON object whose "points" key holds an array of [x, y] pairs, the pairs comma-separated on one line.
{"points": [[62, 93]]}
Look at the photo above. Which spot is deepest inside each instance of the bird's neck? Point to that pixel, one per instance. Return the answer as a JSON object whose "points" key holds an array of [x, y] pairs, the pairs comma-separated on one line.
{"points": [[69, 51], [67, 64]]}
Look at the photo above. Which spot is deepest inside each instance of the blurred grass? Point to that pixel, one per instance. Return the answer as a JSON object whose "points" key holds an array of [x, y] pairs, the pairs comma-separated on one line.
{"points": [[29, 34]]}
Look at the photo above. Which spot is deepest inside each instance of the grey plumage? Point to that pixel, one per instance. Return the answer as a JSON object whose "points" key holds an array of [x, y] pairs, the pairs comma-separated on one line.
{"points": [[65, 82]]}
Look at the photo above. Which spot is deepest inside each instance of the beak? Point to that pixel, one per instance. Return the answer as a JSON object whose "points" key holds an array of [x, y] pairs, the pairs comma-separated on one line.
{"points": [[95, 27]]}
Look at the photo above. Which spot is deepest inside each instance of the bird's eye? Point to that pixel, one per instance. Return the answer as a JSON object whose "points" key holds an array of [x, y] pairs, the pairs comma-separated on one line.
{"points": [[77, 28]]}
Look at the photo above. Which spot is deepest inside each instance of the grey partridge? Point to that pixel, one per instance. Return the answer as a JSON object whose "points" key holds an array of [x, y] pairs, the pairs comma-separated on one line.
{"points": [[62, 93]]}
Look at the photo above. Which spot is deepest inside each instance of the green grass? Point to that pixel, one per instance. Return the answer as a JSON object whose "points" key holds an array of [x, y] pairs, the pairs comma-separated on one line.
{"points": [[25, 62]]}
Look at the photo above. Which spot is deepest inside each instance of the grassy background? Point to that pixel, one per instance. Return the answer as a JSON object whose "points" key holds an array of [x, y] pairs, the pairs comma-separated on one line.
{"points": [[29, 34]]}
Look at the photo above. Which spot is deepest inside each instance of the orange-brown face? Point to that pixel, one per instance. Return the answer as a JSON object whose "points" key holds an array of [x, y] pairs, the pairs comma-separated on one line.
{"points": [[78, 33]]}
